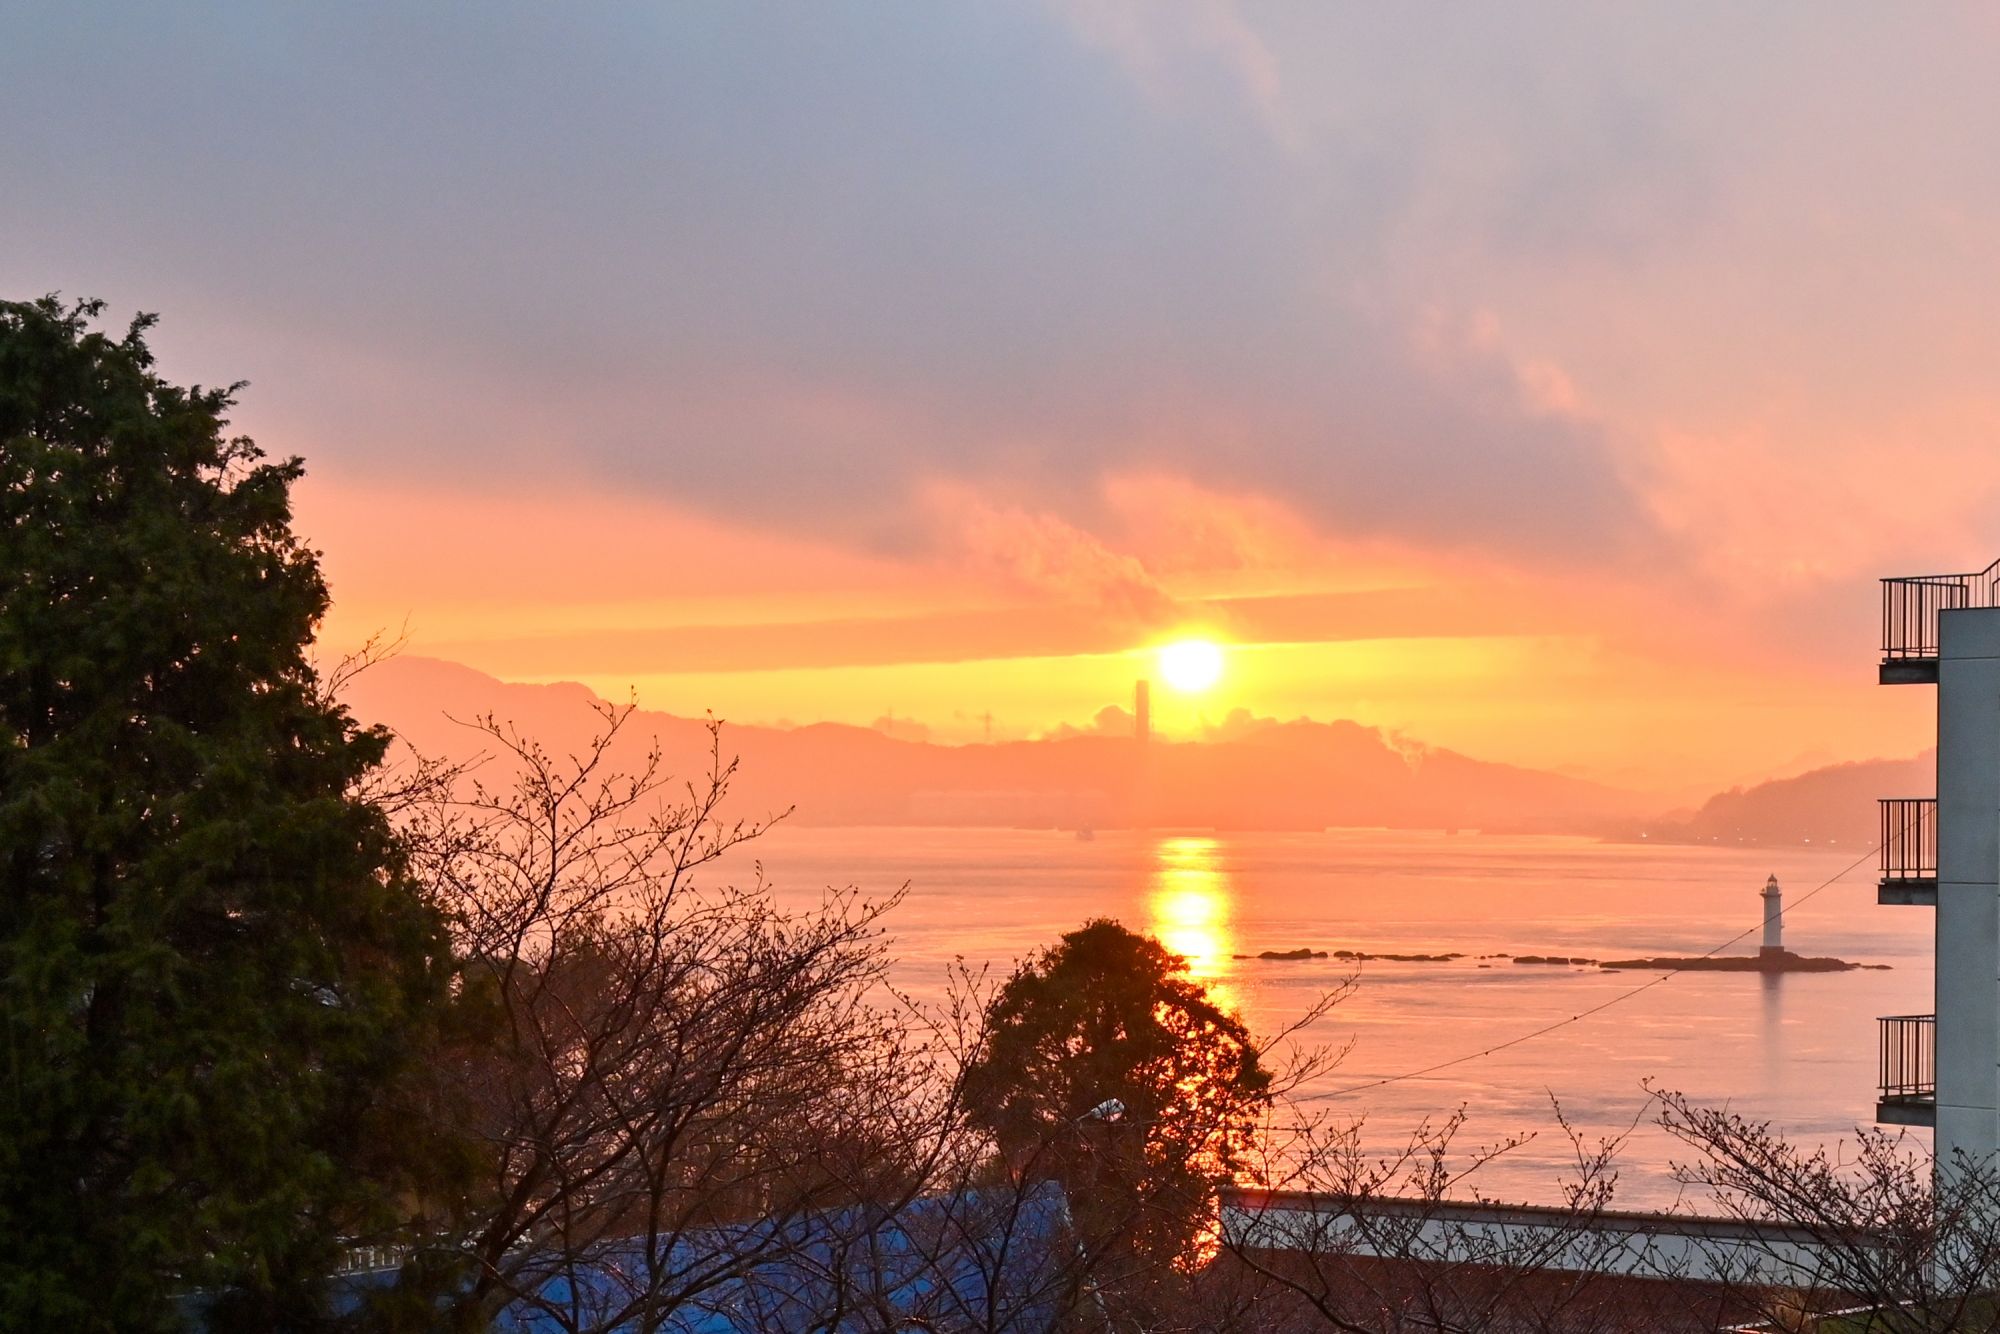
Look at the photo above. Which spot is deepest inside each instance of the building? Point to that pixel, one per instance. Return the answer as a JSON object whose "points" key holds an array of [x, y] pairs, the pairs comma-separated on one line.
{"points": [[1426, 1263], [1942, 1069]]}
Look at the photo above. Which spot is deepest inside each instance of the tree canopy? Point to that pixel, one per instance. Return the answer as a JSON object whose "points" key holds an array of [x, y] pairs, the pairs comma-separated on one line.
{"points": [[1114, 1071], [211, 955]]}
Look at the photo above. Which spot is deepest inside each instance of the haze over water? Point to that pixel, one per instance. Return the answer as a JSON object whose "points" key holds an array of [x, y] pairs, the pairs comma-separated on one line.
{"points": [[1798, 1050]]}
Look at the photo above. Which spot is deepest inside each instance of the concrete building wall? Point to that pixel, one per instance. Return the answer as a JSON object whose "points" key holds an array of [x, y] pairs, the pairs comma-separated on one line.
{"points": [[1968, 902]]}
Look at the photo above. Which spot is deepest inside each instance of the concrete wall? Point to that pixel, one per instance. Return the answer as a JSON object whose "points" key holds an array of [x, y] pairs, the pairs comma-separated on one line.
{"points": [[1968, 905], [1683, 1247]]}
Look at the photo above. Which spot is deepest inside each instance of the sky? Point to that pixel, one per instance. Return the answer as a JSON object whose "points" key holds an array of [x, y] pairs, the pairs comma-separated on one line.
{"points": [[1551, 383]]}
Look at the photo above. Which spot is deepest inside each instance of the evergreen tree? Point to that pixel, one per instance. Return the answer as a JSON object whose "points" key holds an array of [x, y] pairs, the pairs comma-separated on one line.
{"points": [[212, 959], [1107, 1068]]}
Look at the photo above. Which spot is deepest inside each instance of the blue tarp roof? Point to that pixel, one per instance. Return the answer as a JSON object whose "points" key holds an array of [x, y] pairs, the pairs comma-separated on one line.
{"points": [[990, 1261], [996, 1260]]}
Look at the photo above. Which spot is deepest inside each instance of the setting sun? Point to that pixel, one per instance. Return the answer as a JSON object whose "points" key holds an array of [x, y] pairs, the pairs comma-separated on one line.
{"points": [[1191, 665]]}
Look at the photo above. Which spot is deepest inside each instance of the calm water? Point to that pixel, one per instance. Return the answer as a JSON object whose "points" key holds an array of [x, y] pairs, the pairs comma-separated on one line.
{"points": [[1797, 1050]]}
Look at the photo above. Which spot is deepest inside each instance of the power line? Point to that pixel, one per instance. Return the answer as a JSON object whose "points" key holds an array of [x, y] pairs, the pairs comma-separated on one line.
{"points": [[1581, 1015]]}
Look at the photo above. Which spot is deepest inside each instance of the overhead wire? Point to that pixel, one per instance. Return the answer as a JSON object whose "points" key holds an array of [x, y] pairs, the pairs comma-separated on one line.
{"points": [[1580, 1015]]}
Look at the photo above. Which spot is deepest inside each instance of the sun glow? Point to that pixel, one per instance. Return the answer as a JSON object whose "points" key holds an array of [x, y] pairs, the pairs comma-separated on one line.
{"points": [[1190, 906], [1191, 665]]}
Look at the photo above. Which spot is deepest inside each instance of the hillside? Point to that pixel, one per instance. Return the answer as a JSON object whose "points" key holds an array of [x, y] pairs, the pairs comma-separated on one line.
{"points": [[1835, 804], [1297, 775]]}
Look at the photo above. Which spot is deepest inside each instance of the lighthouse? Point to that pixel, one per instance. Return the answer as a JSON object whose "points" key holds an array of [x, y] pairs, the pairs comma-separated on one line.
{"points": [[1774, 920]]}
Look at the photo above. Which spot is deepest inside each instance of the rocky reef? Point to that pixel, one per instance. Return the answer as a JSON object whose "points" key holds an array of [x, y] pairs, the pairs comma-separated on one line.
{"points": [[1352, 956], [1780, 961]]}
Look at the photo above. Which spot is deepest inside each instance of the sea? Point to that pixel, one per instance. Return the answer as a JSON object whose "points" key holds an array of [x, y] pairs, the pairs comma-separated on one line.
{"points": [[1797, 1051]]}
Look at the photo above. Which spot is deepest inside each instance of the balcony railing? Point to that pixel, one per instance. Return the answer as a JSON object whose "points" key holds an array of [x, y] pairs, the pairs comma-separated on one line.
{"points": [[1909, 1057], [1909, 840], [1910, 608]]}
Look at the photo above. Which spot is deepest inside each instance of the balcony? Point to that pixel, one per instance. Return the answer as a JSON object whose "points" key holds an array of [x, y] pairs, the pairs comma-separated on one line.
{"points": [[1908, 1047], [1910, 609], [1909, 841]]}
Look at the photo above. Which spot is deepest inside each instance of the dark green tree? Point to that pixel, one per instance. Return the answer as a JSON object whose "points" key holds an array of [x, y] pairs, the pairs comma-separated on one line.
{"points": [[212, 957], [1107, 1068]]}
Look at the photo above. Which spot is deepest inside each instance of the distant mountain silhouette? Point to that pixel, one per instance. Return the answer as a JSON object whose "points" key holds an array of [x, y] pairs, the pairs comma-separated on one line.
{"points": [[1835, 804], [1251, 774]]}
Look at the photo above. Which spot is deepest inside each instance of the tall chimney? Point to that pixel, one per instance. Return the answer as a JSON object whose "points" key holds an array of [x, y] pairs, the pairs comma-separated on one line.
{"points": [[1142, 710]]}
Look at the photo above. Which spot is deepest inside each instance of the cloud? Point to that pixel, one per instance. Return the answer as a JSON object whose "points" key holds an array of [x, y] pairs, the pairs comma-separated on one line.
{"points": [[1166, 49], [1111, 720], [1465, 281], [1238, 724], [1043, 553], [795, 268]]}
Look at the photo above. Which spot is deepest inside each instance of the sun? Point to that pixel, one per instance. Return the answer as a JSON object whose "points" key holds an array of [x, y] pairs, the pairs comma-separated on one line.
{"points": [[1191, 665]]}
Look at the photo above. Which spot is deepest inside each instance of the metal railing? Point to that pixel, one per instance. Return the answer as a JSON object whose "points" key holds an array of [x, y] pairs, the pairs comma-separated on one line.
{"points": [[1908, 1045], [1910, 608], [1909, 838], [362, 1259]]}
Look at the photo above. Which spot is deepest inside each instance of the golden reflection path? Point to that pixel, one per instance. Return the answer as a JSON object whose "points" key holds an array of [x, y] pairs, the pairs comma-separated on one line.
{"points": [[1190, 909]]}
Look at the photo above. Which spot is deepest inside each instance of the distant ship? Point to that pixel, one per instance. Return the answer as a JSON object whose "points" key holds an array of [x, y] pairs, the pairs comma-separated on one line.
{"points": [[1085, 834]]}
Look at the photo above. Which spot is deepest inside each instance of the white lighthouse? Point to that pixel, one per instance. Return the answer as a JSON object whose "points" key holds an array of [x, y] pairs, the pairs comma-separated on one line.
{"points": [[1774, 919]]}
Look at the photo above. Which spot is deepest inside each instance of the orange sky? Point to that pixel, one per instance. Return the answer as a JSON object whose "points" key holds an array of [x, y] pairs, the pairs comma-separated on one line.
{"points": [[1547, 383], [1617, 679]]}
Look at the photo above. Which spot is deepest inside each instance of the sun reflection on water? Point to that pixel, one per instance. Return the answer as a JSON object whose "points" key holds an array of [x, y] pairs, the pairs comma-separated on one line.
{"points": [[1190, 907]]}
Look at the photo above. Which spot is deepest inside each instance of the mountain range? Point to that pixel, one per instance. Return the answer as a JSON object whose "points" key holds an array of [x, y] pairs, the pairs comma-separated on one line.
{"points": [[1255, 774], [1834, 805], [1250, 773]]}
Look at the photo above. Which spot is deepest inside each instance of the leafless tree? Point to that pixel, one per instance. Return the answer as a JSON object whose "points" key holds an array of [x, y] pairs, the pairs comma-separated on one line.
{"points": [[675, 1099], [661, 1079], [1353, 1240], [1871, 1235], [1877, 1229]]}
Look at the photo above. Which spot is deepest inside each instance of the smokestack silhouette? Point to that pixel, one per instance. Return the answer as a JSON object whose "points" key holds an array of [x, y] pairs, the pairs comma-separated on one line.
{"points": [[1142, 710]]}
